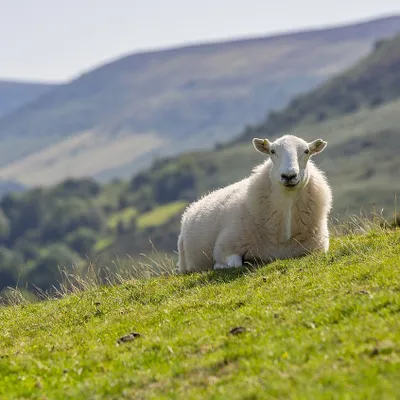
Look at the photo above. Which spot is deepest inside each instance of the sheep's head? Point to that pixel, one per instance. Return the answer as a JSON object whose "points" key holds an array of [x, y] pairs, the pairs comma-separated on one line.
{"points": [[289, 156]]}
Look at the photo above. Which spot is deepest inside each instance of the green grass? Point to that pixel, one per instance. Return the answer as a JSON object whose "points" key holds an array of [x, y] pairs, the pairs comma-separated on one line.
{"points": [[124, 215], [103, 243], [160, 215], [323, 326]]}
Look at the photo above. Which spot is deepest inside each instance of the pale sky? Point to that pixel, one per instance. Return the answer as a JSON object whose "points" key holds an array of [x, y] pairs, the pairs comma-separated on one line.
{"points": [[54, 40]]}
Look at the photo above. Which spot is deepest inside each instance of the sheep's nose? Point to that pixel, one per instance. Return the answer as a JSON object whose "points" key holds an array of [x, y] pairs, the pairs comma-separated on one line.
{"points": [[289, 177]]}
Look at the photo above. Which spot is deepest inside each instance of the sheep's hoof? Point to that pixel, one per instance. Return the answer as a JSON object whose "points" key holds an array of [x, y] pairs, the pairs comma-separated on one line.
{"points": [[233, 261], [220, 266]]}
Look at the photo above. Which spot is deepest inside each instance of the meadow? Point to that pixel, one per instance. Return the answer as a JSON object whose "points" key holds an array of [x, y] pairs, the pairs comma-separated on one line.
{"points": [[321, 326]]}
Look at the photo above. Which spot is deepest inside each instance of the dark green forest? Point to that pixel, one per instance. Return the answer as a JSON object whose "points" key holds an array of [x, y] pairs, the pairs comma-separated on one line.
{"points": [[80, 220]]}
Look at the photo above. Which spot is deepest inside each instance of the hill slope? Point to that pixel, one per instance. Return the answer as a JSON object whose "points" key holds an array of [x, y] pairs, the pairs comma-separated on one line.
{"points": [[115, 119], [10, 186], [316, 327], [14, 95], [372, 81]]}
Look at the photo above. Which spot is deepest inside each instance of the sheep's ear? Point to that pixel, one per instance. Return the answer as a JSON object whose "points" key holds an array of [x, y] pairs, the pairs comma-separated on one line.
{"points": [[317, 146], [262, 145]]}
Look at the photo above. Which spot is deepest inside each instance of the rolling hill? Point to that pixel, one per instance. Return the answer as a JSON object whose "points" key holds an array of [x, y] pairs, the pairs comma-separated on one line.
{"points": [[373, 81], [14, 95], [116, 119]]}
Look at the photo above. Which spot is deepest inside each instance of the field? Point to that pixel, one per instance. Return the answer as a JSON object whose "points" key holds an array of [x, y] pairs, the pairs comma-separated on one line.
{"points": [[323, 326], [160, 215]]}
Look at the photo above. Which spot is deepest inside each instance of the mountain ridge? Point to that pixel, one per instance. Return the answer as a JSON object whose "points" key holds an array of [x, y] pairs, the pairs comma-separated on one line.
{"points": [[356, 88], [299, 33], [157, 104], [14, 94]]}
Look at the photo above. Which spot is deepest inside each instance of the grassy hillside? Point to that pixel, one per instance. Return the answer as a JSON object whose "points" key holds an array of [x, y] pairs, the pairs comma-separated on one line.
{"points": [[117, 118], [316, 327], [371, 82], [14, 95]]}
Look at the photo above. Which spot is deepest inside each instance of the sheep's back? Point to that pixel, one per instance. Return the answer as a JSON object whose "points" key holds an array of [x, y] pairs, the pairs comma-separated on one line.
{"points": [[205, 218]]}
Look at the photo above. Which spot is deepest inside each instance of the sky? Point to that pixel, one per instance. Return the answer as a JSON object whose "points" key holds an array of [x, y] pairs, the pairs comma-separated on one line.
{"points": [[54, 40]]}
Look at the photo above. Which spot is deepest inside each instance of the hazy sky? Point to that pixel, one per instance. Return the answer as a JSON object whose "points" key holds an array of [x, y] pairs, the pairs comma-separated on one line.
{"points": [[55, 40]]}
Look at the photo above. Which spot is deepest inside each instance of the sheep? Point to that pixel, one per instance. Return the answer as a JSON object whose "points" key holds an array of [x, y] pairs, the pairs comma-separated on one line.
{"points": [[280, 211]]}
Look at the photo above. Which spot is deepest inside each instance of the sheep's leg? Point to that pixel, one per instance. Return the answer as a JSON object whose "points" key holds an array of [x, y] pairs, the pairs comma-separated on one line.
{"points": [[298, 248], [182, 259], [232, 261], [225, 251]]}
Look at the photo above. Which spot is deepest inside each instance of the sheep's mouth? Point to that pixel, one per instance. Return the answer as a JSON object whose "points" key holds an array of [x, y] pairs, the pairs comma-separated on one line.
{"points": [[290, 185]]}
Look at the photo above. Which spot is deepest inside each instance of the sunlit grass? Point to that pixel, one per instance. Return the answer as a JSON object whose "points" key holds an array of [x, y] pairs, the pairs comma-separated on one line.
{"points": [[124, 216], [103, 243], [160, 215], [322, 326]]}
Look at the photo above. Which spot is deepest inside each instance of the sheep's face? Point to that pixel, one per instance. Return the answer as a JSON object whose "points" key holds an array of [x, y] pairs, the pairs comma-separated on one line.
{"points": [[289, 156]]}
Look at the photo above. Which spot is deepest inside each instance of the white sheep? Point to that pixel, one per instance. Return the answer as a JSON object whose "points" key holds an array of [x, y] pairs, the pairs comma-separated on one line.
{"points": [[280, 211]]}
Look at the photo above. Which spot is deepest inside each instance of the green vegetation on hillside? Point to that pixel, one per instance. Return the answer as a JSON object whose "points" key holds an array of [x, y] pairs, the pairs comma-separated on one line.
{"points": [[123, 216], [70, 225], [160, 215], [323, 326]]}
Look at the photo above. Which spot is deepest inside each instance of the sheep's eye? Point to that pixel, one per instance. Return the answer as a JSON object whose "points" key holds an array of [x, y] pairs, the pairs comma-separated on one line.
{"points": [[272, 151], [306, 151]]}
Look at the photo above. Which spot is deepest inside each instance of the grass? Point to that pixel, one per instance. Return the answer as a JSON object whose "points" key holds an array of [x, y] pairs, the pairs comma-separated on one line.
{"points": [[160, 215], [323, 326], [124, 215], [103, 243]]}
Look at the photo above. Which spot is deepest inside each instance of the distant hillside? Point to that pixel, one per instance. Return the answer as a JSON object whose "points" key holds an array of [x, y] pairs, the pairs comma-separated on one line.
{"points": [[116, 119], [10, 186], [371, 82], [14, 95]]}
